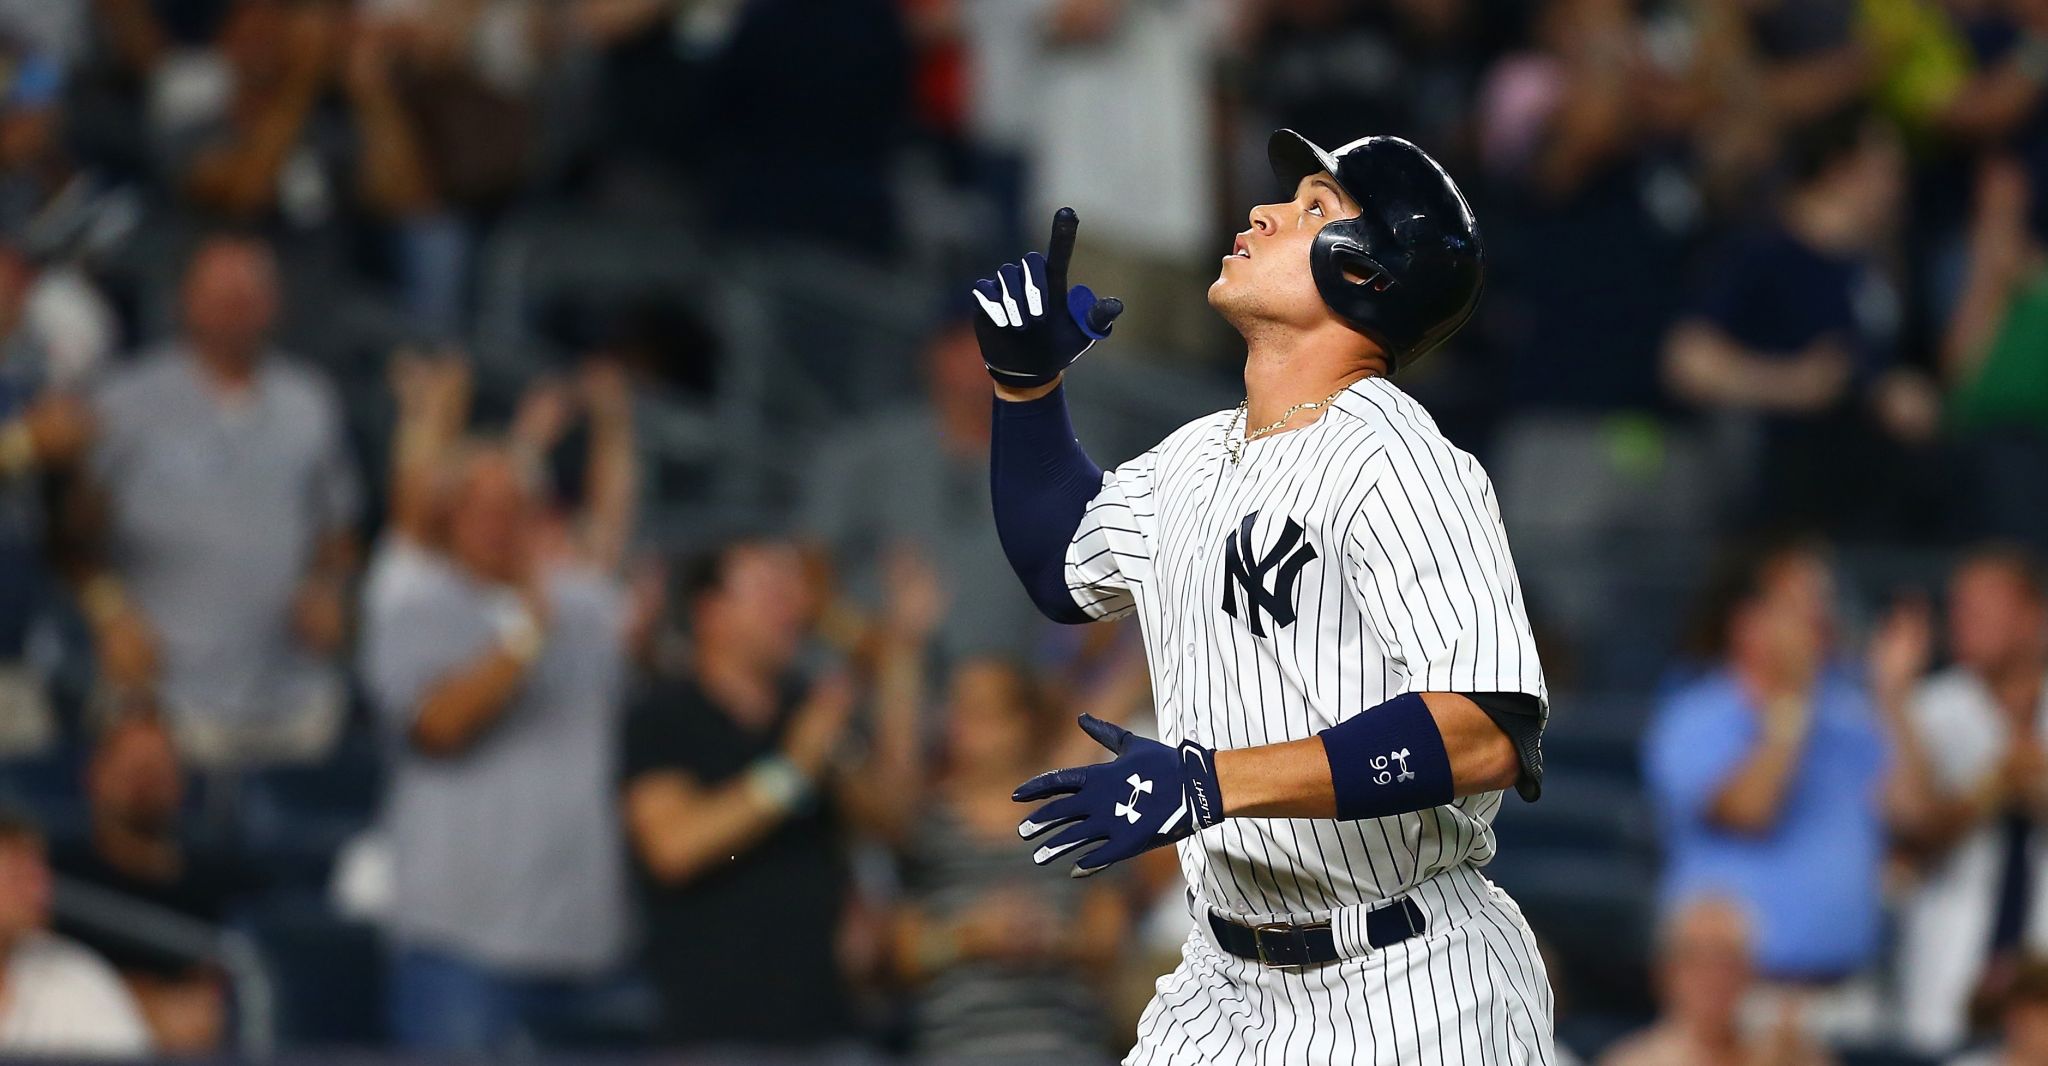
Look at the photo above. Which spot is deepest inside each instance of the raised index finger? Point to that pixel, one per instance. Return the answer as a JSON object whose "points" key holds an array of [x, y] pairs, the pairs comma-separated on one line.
{"points": [[1060, 249]]}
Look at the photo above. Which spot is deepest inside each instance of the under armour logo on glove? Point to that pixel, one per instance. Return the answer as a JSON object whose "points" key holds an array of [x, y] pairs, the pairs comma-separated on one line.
{"points": [[1033, 326], [1129, 811], [1100, 804]]}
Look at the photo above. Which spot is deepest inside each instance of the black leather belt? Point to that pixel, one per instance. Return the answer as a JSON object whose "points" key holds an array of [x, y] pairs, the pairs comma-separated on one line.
{"points": [[1283, 944]]}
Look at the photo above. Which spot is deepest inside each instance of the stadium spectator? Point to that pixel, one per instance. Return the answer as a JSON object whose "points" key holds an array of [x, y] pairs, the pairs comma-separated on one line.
{"points": [[56, 997], [1703, 974], [442, 111], [1983, 723], [240, 131], [1991, 355], [738, 795], [2021, 1015], [220, 543], [1808, 57], [1768, 770], [1997, 105], [431, 398], [32, 157], [1151, 236], [43, 429], [1000, 971], [1586, 202], [935, 457], [1796, 330], [138, 847], [1001, 52], [499, 674]]}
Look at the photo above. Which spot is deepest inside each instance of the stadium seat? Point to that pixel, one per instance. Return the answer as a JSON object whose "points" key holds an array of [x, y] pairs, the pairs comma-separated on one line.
{"points": [[327, 974]]}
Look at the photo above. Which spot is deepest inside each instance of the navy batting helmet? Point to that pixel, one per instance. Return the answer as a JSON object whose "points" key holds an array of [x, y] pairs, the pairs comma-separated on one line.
{"points": [[1407, 271]]}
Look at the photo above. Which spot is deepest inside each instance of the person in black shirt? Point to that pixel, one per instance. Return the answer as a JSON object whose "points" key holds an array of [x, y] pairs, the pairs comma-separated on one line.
{"points": [[1796, 329], [737, 803], [136, 790]]}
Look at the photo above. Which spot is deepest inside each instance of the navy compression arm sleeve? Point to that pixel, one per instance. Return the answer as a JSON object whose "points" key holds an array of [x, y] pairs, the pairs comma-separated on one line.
{"points": [[1041, 481]]}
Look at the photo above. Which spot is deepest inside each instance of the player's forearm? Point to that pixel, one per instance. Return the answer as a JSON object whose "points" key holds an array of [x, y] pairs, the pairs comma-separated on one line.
{"points": [[1041, 482], [1295, 779]]}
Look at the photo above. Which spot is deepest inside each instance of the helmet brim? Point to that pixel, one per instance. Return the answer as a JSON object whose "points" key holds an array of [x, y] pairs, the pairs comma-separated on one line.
{"points": [[1294, 157]]}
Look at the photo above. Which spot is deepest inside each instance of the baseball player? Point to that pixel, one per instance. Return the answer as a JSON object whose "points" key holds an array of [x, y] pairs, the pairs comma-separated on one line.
{"points": [[1341, 663]]}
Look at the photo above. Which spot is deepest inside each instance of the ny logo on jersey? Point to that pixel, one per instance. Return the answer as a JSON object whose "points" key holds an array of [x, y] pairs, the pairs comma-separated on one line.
{"points": [[1129, 811], [1288, 555]]}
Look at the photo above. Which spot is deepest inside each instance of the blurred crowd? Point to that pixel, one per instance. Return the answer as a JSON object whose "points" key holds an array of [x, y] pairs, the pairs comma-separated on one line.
{"points": [[495, 548]]}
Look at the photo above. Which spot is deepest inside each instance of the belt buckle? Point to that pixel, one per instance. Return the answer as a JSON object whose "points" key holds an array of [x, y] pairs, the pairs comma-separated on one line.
{"points": [[1279, 929], [1295, 936]]}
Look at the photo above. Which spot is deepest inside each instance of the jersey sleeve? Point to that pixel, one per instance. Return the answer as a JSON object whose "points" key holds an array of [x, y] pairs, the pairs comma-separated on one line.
{"points": [[1429, 562], [1111, 553]]}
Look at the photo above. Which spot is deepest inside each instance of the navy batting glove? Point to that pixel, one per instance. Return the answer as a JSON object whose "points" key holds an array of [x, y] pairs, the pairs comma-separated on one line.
{"points": [[1034, 326], [1149, 795]]}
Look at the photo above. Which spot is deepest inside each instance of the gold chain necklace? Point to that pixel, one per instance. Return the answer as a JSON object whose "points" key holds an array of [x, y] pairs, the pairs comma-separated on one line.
{"points": [[1236, 447]]}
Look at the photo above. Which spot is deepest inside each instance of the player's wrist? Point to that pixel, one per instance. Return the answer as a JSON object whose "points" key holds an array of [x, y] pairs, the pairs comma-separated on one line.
{"points": [[1203, 784], [1026, 393]]}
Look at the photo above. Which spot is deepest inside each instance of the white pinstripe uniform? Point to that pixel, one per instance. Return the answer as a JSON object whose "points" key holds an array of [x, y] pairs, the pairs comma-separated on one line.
{"points": [[1375, 565]]}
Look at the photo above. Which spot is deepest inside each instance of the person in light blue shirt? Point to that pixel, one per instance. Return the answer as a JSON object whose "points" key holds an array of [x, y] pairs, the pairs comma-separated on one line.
{"points": [[1768, 771]]}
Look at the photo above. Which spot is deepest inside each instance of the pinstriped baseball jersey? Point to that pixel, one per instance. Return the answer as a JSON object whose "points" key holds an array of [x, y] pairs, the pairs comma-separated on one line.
{"points": [[1331, 569]]}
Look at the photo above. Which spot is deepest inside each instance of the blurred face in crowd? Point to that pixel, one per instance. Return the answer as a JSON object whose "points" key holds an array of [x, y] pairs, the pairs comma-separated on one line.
{"points": [[760, 606], [134, 778], [1265, 280], [1790, 618], [988, 717], [231, 299], [1703, 966], [491, 517], [1995, 619], [24, 886]]}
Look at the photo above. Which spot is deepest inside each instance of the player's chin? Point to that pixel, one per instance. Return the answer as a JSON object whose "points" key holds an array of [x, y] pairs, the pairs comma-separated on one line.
{"points": [[1222, 290]]}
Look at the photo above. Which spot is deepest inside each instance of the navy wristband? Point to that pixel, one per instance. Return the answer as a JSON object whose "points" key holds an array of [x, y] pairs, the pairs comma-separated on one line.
{"points": [[1388, 760]]}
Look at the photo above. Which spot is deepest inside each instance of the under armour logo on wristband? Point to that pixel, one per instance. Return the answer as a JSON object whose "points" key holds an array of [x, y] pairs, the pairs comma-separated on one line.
{"points": [[1402, 755], [1129, 811]]}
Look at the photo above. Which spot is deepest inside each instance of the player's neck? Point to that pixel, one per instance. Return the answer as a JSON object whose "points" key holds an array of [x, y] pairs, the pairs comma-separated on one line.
{"points": [[1279, 375]]}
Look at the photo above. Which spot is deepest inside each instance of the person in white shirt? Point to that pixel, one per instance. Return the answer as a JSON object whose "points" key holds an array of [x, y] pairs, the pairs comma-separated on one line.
{"points": [[1983, 726], [56, 997]]}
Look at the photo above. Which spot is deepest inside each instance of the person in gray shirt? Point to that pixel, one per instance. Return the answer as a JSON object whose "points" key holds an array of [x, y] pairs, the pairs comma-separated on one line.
{"points": [[917, 479], [222, 532], [497, 671]]}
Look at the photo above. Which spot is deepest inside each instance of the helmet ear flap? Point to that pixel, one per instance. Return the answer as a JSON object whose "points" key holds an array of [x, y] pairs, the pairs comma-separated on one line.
{"points": [[1347, 262]]}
